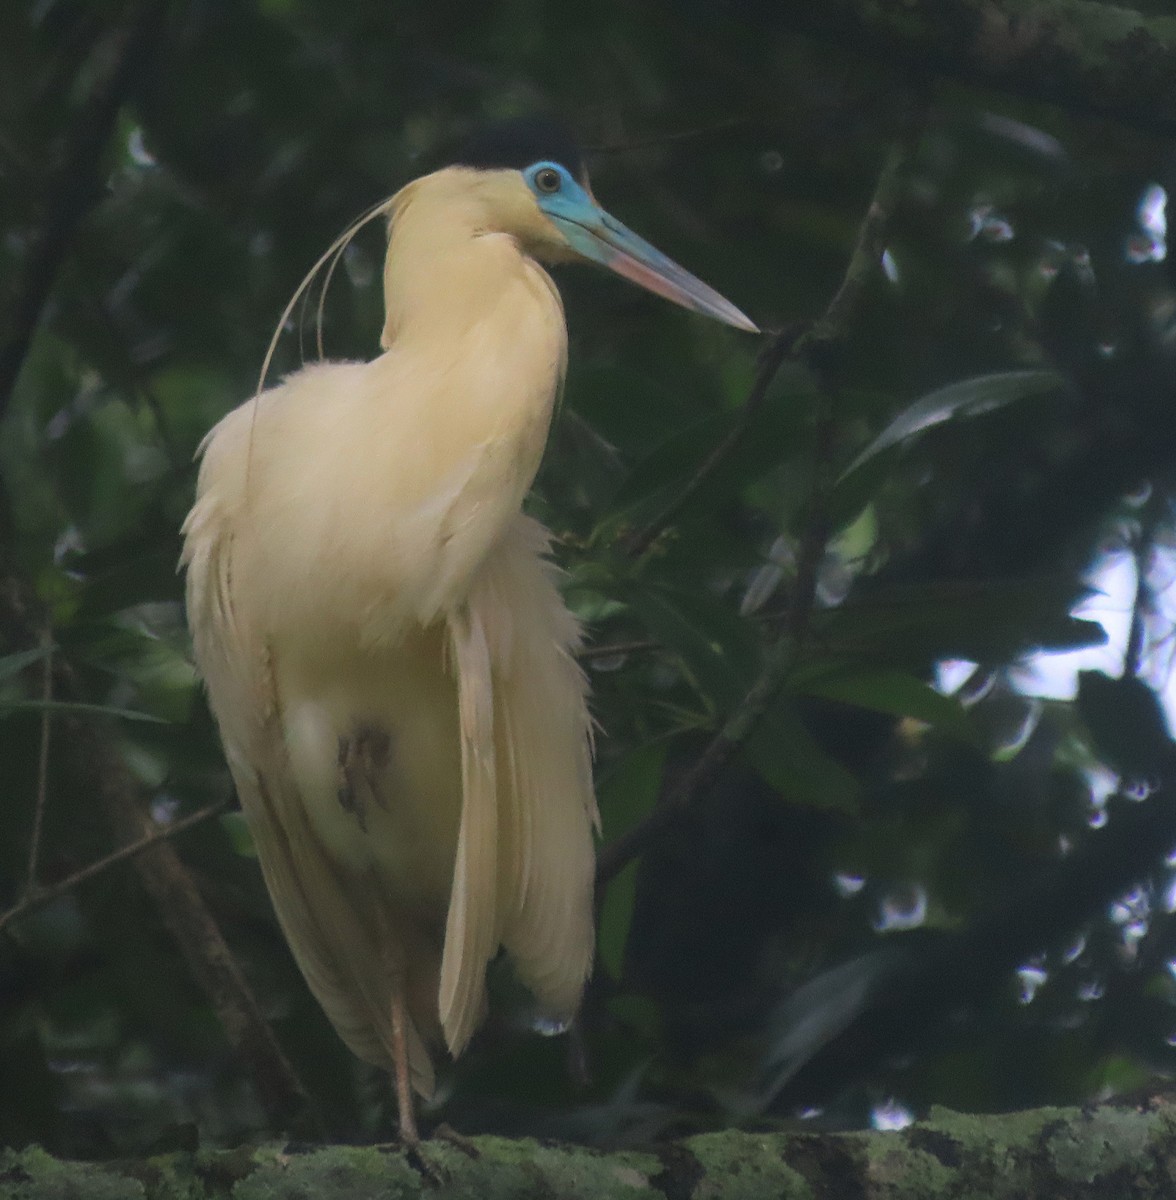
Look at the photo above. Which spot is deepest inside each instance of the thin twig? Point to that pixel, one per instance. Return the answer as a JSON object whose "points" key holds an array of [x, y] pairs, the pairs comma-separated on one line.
{"points": [[38, 897], [42, 768], [663, 139], [90, 746], [788, 344], [609, 649], [187, 917], [868, 248], [1136, 647], [778, 350], [782, 655], [780, 661]]}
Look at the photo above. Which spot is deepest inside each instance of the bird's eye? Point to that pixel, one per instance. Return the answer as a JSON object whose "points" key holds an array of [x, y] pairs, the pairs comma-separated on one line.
{"points": [[547, 180]]}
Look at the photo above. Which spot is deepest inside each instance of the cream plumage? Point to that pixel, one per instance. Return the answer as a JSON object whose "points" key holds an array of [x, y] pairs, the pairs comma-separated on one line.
{"points": [[384, 644]]}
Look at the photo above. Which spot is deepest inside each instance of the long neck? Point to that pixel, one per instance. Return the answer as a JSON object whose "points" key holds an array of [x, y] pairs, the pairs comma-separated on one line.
{"points": [[446, 269], [478, 326]]}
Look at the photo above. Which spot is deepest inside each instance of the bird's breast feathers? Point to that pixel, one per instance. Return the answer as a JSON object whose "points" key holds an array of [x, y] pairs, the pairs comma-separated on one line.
{"points": [[385, 484]]}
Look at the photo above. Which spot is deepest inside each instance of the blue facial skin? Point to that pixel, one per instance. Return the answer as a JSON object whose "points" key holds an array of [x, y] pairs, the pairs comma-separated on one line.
{"points": [[589, 230], [594, 235], [570, 207]]}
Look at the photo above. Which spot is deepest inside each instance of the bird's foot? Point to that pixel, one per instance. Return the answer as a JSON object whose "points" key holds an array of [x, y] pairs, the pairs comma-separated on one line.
{"points": [[446, 1133], [430, 1172]]}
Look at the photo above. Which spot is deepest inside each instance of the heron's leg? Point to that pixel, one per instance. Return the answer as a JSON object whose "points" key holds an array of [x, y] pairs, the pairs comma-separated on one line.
{"points": [[394, 955], [405, 1104]]}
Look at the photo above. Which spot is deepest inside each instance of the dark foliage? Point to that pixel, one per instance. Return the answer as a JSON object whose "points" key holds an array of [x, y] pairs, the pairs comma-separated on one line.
{"points": [[894, 888]]}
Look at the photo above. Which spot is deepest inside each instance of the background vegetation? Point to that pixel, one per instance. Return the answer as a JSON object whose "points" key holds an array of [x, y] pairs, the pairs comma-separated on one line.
{"points": [[871, 840]]}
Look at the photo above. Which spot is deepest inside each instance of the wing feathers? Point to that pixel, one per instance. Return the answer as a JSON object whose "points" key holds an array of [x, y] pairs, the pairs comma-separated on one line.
{"points": [[472, 928], [524, 858], [547, 805]]}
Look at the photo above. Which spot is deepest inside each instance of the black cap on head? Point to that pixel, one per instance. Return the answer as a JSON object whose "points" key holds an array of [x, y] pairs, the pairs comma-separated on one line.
{"points": [[519, 142]]}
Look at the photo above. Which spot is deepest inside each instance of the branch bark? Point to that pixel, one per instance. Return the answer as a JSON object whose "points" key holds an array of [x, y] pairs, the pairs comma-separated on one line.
{"points": [[189, 921], [1094, 58], [1109, 1153], [75, 189], [37, 897], [91, 744]]}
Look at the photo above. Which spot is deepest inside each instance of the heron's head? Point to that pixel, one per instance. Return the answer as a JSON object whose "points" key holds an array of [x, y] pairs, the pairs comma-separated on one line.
{"points": [[533, 185]]}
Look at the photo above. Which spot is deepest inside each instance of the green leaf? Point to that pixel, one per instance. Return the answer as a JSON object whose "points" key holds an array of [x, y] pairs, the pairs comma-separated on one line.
{"points": [[1126, 722], [965, 398], [675, 460], [639, 1012], [630, 409], [68, 706], [616, 915], [982, 620], [713, 643], [139, 568], [13, 664], [767, 440], [110, 471], [787, 756], [237, 828], [629, 791], [895, 692], [854, 541], [626, 797]]}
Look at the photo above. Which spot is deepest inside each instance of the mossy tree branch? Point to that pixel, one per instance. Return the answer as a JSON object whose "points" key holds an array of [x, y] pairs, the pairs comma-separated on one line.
{"points": [[1109, 1153]]}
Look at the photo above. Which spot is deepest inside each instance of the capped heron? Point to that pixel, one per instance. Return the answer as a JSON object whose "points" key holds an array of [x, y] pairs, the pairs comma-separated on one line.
{"points": [[380, 631]]}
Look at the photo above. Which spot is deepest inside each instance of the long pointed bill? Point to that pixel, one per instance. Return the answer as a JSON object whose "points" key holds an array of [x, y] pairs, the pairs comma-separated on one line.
{"points": [[591, 232]]}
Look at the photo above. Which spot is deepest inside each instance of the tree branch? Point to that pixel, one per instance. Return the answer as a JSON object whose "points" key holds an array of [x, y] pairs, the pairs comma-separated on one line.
{"points": [[1143, 603], [91, 743], [42, 769], [75, 190], [38, 897], [830, 330], [193, 927], [612, 649], [771, 359], [625, 145], [1093, 58], [788, 345], [1128, 1154]]}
